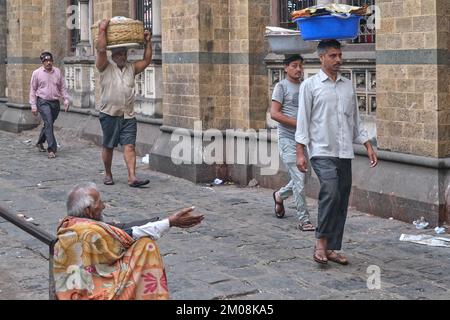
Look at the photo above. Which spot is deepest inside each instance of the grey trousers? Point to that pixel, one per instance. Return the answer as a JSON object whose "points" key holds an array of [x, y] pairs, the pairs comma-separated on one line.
{"points": [[296, 185], [335, 176], [49, 111]]}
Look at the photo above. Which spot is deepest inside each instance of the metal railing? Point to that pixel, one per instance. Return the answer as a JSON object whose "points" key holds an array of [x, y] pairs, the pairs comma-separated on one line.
{"points": [[50, 240], [39, 234]]}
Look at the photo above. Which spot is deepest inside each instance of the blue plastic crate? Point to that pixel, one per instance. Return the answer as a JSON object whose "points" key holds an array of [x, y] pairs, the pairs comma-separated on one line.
{"points": [[329, 27]]}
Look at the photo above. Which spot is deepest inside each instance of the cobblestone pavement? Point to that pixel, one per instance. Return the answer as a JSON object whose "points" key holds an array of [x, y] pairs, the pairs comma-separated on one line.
{"points": [[240, 251]]}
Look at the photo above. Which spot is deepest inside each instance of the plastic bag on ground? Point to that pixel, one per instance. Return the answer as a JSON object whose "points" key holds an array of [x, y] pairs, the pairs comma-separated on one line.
{"points": [[439, 230], [421, 223]]}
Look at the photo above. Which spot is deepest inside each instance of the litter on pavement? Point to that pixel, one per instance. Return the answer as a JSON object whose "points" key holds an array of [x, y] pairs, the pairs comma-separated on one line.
{"points": [[146, 159], [426, 240], [421, 223], [439, 230]]}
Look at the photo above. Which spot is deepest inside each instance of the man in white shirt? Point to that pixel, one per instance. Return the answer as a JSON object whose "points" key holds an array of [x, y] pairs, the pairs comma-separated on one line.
{"points": [[328, 124]]}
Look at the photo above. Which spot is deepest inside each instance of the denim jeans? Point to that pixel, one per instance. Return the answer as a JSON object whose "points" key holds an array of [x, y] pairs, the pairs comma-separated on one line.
{"points": [[296, 185]]}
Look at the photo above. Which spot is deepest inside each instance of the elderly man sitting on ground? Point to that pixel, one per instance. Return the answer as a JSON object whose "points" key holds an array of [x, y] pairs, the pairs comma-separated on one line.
{"points": [[96, 260]]}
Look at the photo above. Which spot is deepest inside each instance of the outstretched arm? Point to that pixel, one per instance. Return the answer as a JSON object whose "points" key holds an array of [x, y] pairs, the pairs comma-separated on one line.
{"points": [[155, 230], [140, 65], [185, 219], [102, 59]]}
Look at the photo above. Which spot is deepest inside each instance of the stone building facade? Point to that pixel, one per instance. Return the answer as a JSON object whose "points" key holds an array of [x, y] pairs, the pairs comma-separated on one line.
{"points": [[212, 69]]}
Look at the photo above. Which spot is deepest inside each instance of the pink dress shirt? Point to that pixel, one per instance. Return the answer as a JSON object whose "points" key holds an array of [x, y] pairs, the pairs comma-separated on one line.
{"points": [[47, 86]]}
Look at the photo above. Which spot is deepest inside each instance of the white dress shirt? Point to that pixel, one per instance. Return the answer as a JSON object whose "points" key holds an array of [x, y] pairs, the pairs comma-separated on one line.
{"points": [[328, 118], [154, 230]]}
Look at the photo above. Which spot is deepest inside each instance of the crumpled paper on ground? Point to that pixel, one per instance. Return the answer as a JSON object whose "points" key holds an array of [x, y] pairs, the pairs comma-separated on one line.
{"points": [[426, 240]]}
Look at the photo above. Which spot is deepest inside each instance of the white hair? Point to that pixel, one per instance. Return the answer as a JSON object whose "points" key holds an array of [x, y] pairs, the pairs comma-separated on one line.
{"points": [[79, 199]]}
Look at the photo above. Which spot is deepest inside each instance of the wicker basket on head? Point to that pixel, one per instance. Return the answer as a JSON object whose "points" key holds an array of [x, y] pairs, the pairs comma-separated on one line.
{"points": [[121, 30]]}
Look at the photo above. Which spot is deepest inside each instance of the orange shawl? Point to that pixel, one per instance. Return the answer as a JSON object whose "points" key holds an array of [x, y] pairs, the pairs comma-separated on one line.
{"points": [[94, 260]]}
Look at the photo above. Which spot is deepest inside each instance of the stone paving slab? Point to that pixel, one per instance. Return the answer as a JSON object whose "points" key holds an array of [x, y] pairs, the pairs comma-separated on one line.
{"points": [[240, 251]]}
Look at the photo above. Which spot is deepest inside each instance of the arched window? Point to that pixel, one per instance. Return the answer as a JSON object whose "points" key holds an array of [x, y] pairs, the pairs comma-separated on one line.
{"points": [[144, 13]]}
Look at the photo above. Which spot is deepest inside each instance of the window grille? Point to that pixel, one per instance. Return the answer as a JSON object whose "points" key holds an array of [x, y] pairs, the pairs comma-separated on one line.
{"points": [[144, 13], [364, 81], [288, 6], [139, 84], [366, 35]]}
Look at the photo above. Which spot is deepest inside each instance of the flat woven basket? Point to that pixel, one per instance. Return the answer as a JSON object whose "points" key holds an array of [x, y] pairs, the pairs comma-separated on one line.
{"points": [[121, 31]]}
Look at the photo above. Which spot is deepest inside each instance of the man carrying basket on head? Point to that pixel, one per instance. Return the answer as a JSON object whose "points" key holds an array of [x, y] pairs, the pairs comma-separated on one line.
{"points": [[116, 108]]}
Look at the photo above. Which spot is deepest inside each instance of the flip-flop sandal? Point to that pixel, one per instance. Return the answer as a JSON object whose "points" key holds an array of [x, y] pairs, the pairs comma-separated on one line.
{"points": [[279, 214], [306, 226], [108, 181], [338, 258], [139, 183]]}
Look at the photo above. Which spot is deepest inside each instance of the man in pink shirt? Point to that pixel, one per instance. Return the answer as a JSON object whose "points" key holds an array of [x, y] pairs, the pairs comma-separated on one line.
{"points": [[46, 88]]}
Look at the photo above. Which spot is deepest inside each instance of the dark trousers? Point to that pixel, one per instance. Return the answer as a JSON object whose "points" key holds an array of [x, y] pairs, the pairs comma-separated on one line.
{"points": [[335, 176], [49, 111]]}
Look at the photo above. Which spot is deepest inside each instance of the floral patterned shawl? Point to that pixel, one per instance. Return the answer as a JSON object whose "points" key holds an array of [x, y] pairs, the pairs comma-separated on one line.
{"points": [[94, 260]]}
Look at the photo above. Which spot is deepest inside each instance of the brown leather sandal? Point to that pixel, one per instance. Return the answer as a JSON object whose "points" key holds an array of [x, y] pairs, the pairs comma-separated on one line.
{"points": [[279, 214], [319, 259]]}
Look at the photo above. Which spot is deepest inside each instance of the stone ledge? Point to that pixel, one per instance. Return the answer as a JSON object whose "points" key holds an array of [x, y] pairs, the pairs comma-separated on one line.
{"points": [[17, 118], [435, 163]]}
